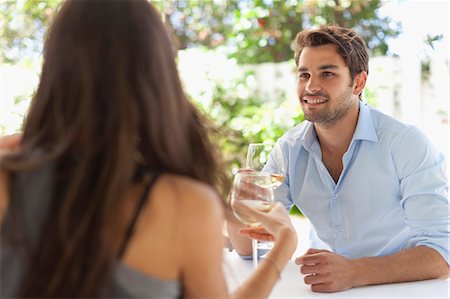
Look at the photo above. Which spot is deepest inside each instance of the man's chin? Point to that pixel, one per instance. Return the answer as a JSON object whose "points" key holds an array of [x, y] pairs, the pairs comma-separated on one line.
{"points": [[311, 118], [319, 120]]}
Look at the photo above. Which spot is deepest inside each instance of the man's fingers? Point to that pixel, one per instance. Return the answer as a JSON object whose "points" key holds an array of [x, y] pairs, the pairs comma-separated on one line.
{"points": [[308, 259], [314, 279], [321, 288], [315, 250], [313, 269], [311, 256]]}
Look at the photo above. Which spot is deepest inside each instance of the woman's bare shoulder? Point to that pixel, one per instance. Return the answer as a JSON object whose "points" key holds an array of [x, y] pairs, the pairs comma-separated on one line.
{"points": [[198, 206], [200, 248], [189, 192]]}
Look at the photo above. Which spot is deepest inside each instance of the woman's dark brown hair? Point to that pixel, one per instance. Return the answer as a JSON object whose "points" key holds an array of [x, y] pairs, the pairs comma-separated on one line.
{"points": [[109, 103]]}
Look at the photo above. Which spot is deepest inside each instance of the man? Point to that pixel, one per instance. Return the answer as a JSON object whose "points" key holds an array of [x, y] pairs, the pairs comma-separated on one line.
{"points": [[373, 188]]}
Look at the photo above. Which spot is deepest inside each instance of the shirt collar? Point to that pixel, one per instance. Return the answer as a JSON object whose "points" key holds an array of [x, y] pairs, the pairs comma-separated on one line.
{"points": [[365, 129], [309, 138]]}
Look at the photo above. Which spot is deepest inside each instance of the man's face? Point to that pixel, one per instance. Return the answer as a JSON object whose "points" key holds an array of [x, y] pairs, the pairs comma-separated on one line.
{"points": [[324, 88]]}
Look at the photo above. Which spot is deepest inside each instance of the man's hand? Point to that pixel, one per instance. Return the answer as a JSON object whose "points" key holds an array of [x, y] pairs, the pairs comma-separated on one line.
{"points": [[327, 271]]}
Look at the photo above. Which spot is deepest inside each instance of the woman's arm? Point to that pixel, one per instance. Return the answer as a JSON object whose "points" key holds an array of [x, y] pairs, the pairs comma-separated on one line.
{"points": [[7, 144], [10, 142], [202, 248]]}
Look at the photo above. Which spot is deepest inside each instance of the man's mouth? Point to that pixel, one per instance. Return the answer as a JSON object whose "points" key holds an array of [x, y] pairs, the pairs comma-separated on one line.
{"points": [[313, 100]]}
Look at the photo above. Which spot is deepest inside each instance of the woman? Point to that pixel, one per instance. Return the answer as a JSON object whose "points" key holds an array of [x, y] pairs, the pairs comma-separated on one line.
{"points": [[113, 192]]}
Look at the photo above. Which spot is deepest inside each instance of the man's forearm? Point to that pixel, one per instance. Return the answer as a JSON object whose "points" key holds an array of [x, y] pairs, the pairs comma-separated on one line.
{"points": [[412, 264], [242, 244]]}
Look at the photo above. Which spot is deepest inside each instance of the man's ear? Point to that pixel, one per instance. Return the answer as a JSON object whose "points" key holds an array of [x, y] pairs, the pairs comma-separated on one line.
{"points": [[359, 82]]}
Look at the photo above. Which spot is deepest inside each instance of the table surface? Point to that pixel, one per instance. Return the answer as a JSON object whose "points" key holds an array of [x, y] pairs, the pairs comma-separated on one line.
{"points": [[291, 284]]}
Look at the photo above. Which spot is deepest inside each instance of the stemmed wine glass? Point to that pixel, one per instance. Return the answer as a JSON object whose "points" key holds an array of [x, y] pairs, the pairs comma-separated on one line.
{"points": [[258, 155], [253, 190]]}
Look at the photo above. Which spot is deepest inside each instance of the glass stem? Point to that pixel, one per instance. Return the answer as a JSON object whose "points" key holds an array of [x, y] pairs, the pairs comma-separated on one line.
{"points": [[255, 253]]}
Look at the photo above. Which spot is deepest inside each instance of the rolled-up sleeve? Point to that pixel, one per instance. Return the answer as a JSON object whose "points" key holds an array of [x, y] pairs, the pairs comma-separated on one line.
{"points": [[424, 191]]}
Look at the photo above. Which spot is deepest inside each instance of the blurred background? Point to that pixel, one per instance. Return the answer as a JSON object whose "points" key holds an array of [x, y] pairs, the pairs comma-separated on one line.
{"points": [[236, 61]]}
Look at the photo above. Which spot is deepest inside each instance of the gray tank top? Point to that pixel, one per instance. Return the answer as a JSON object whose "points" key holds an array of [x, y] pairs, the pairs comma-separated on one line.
{"points": [[126, 282]]}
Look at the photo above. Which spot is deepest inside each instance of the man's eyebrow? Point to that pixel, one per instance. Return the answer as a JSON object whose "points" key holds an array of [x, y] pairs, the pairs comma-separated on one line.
{"points": [[322, 67], [327, 67]]}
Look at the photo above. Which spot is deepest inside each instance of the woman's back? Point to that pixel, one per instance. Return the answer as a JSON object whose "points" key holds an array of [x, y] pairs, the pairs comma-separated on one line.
{"points": [[181, 215], [109, 104], [162, 248]]}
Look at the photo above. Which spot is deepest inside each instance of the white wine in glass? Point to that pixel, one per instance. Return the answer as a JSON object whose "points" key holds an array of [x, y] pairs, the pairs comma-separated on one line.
{"points": [[259, 205], [252, 190], [276, 179], [257, 156]]}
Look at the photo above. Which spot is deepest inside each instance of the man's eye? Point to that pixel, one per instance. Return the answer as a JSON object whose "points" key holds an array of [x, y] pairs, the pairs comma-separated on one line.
{"points": [[303, 76], [327, 74]]}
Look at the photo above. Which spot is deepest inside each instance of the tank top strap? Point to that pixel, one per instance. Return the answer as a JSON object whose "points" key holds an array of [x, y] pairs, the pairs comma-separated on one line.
{"points": [[130, 230]]}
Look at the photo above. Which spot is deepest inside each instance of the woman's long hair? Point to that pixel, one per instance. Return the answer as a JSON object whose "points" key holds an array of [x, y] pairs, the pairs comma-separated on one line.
{"points": [[108, 103]]}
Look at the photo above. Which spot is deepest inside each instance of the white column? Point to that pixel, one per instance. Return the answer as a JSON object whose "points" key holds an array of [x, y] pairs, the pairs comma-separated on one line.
{"points": [[410, 91]]}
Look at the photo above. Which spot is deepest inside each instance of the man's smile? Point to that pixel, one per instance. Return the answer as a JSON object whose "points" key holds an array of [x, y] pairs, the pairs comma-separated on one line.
{"points": [[314, 100]]}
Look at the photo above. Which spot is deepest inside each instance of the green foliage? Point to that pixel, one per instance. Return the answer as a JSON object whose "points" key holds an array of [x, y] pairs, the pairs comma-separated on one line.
{"points": [[425, 63], [256, 31], [252, 31], [243, 118], [240, 117], [370, 97], [23, 24], [362, 17]]}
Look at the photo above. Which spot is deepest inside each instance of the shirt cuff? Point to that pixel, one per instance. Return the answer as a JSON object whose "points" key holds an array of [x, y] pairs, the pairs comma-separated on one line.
{"points": [[261, 253]]}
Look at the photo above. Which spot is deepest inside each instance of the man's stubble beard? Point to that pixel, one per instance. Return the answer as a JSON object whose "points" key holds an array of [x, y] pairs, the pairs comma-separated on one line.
{"points": [[329, 117]]}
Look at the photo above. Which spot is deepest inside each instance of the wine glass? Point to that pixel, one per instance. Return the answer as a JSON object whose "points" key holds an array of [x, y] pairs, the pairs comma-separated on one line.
{"points": [[253, 190], [258, 155]]}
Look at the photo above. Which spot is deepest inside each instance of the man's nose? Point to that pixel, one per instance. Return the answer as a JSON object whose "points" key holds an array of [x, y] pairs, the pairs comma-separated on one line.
{"points": [[313, 85]]}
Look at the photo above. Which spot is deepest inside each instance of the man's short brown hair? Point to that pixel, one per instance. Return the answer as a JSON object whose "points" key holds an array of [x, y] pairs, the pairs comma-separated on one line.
{"points": [[350, 46]]}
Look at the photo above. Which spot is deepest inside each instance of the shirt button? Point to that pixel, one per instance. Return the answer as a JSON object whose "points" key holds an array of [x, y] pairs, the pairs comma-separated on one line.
{"points": [[338, 228], [335, 196]]}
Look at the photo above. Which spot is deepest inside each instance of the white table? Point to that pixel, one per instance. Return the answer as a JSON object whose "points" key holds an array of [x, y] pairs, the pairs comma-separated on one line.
{"points": [[291, 284]]}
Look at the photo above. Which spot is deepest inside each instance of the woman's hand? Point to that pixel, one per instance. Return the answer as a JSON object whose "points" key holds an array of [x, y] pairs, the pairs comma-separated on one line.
{"points": [[275, 222]]}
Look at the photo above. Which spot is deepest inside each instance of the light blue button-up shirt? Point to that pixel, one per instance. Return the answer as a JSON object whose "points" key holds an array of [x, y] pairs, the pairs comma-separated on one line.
{"points": [[392, 192]]}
